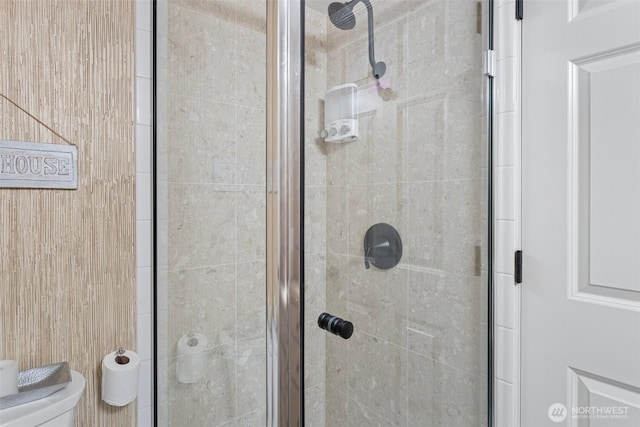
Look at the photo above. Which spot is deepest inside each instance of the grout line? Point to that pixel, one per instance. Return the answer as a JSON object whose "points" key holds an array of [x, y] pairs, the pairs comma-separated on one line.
{"points": [[407, 316], [235, 207], [224, 187], [228, 264], [210, 101]]}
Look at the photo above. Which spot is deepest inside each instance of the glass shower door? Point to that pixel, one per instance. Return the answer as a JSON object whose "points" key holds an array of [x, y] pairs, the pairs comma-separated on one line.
{"points": [[393, 192], [210, 68], [412, 161]]}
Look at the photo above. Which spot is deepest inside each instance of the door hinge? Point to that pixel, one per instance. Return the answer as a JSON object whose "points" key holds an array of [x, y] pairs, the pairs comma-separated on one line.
{"points": [[517, 270], [489, 63], [519, 7]]}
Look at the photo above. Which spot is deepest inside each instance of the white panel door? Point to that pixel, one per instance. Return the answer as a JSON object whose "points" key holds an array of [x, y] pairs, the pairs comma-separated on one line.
{"points": [[581, 213]]}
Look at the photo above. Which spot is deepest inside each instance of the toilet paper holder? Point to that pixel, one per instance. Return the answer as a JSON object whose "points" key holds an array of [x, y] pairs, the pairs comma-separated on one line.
{"points": [[121, 359], [120, 372]]}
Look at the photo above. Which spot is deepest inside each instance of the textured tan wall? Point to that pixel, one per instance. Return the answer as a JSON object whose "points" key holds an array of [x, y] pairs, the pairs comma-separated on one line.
{"points": [[67, 261]]}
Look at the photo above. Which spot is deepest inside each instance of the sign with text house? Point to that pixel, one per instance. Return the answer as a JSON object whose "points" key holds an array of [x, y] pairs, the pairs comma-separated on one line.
{"points": [[38, 165]]}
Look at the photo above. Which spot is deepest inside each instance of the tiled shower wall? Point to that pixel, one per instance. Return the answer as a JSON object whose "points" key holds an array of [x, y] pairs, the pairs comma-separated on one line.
{"points": [[211, 214], [315, 216], [418, 356], [211, 137], [422, 326]]}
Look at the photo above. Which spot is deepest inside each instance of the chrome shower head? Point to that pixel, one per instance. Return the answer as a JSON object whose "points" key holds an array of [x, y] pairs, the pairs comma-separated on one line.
{"points": [[341, 15]]}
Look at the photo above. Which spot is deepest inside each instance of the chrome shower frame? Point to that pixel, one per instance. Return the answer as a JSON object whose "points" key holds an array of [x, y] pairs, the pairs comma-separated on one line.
{"points": [[285, 171]]}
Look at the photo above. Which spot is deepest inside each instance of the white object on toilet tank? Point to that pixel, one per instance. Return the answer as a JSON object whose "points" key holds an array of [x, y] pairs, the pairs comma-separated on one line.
{"points": [[56, 410], [341, 113], [8, 377]]}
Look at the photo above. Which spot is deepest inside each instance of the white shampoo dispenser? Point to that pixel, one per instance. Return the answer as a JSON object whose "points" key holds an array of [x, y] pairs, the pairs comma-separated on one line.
{"points": [[341, 113]]}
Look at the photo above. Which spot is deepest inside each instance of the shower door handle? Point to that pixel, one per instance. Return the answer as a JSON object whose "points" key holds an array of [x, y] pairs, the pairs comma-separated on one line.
{"points": [[335, 325]]}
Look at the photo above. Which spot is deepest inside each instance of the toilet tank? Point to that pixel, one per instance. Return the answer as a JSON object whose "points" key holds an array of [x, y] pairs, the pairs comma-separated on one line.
{"points": [[55, 410]]}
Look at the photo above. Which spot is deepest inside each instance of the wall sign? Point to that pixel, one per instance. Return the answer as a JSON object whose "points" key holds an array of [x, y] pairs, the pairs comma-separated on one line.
{"points": [[38, 165]]}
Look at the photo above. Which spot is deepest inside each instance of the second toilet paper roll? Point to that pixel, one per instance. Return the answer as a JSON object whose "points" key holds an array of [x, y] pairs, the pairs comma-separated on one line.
{"points": [[120, 377], [191, 363]]}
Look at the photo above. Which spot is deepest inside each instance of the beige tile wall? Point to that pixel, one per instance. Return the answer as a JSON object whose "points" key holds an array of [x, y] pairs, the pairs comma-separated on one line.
{"points": [[418, 356], [211, 137], [212, 218], [315, 216]]}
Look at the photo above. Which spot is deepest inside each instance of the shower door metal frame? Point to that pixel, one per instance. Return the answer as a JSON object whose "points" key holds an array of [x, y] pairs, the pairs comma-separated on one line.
{"points": [[285, 236], [285, 211], [488, 52]]}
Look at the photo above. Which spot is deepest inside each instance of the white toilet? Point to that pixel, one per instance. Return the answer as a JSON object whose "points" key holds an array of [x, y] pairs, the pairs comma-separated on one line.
{"points": [[55, 410]]}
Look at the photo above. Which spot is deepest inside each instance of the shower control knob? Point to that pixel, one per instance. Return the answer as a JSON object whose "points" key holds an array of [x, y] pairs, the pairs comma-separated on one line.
{"points": [[335, 325], [333, 132], [344, 129]]}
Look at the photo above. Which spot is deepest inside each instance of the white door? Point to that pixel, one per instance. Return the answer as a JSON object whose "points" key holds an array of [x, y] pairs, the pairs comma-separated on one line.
{"points": [[581, 213]]}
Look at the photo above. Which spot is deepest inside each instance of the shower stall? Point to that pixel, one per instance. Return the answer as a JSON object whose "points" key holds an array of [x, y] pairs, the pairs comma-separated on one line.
{"points": [[323, 213]]}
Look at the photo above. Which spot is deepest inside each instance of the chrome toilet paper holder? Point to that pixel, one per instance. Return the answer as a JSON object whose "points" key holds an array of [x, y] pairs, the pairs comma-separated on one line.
{"points": [[121, 359]]}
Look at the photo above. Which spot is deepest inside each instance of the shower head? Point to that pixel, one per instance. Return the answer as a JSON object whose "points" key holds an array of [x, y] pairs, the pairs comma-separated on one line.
{"points": [[341, 15]]}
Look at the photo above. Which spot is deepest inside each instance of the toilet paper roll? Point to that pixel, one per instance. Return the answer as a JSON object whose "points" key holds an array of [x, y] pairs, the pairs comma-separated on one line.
{"points": [[191, 363], [120, 377], [8, 377]]}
